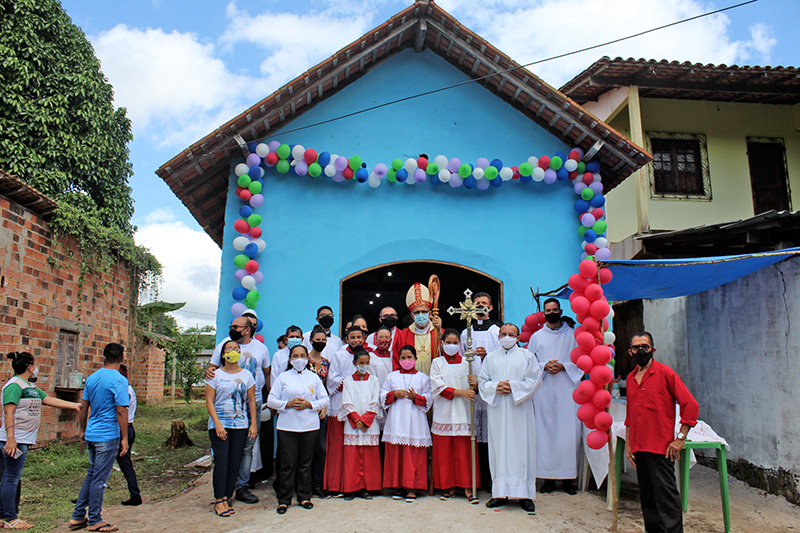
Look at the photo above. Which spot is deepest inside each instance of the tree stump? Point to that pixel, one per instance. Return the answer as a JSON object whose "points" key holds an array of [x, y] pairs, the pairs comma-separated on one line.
{"points": [[178, 437]]}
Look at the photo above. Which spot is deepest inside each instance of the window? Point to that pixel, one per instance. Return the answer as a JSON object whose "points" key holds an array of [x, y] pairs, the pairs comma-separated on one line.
{"points": [[680, 166], [66, 356], [768, 174]]}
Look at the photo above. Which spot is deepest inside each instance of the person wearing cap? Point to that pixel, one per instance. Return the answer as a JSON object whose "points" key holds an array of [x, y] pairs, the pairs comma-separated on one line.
{"points": [[422, 333], [325, 321]]}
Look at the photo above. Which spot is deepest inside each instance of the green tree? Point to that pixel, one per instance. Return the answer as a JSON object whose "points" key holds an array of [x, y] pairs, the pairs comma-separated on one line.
{"points": [[185, 349], [59, 129]]}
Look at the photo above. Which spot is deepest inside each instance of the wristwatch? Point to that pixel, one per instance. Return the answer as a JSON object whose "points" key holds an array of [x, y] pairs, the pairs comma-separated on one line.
{"points": [[681, 436]]}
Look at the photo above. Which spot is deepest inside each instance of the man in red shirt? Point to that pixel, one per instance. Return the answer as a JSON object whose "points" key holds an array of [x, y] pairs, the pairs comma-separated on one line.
{"points": [[650, 443]]}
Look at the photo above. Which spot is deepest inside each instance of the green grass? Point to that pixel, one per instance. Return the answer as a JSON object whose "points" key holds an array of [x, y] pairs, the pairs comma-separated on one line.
{"points": [[53, 474]]}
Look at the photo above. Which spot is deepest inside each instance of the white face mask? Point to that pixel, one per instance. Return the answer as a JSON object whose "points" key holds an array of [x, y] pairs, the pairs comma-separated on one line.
{"points": [[450, 349], [508, 342], [299, 364], [362, 369]]}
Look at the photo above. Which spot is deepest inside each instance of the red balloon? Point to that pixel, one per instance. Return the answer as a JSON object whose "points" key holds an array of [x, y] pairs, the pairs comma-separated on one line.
{"points": [[251, 266], [239, 190], [577, 283], [259, 336], [603, 420], [544, 162], [606, 325], [585, 363], [574, 154], [577, 398], [598, 335], [593, 292], [601, 399], [605, 275], [585, 340], [591, 324], [596, 439], [588, 269], [581, 317], [575, 354], [586, 389], [601, 375], [588, 178], [598, 213], [525, 336], [591, 249], [534, 321], [255, 232], [572, 175], [241, 226], [348, 173], [587, 412], [601, 355], [422, 162], [573, 296], [310, 156], [245, 195], [272, 159], [580, 305], [600, 309]]}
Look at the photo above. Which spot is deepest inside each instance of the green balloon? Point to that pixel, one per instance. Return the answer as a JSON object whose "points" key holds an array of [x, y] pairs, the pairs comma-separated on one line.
{"points": [[490, 172], [283, 166], [525, 169], [582, 230], [254, 220], [556, 162], [284, 151], [355, 162], [392, 174], [244, 180], [314, 170], [397, 163], [251, 305], [600, 227], [255, 187], [432, 169], [612, 362], [464, 170], [252, 296], [581, 167], [240, 260], [587, 194]]}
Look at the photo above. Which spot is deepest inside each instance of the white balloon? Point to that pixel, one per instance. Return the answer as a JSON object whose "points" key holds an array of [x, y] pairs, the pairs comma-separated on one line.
{"points": [[374, 181], [249, 283], [601, 242], [583, 244], [506, 173], [240, 242], [478, 173], [597, 177], [570, 165], [609, 337], [298, 151], [610, 314], [330, 170], [534, 161], [262, 245], [410, 165], [410, 180], [441, 161], [444, 175], [538, 174], [241, 169], [261, 172], [262, 150]]}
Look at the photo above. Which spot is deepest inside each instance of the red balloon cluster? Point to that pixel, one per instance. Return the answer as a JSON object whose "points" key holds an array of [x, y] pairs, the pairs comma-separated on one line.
{"points": [[533, 323], [592, 354]]}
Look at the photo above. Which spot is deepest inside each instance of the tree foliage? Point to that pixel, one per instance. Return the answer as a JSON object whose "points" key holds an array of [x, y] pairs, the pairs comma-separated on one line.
{"points": [[185, 350], [59, 130]]}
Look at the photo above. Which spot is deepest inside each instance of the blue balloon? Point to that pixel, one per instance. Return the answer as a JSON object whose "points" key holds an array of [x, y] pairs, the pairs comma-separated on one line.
{"points": [[593, 167], [496, 182], [598, 200], [251, 250], [362, 175], [562, 155], [239, 293], [323, 159], [590, 235], [496, 163], [254, 172], [252, 146], [261, 322], [470, 182], [523, 179], [562, 174], [434, 178], [245, 211], [581, 206], [402, 175]]}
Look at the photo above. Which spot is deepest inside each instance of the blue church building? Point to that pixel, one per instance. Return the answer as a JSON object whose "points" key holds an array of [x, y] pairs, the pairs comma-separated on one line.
{"points": [[476, 171]]}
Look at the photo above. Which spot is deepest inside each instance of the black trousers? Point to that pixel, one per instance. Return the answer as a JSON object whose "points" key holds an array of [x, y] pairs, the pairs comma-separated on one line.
{"points": [[227, 458], [297, 455], [267, 443], [318, 468], [483, 465], [126, 466], [658, 492]]}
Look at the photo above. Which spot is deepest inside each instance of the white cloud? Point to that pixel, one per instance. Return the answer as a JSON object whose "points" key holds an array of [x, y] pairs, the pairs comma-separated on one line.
{"points": [[761, 42], [162, 214], [190, 261]]}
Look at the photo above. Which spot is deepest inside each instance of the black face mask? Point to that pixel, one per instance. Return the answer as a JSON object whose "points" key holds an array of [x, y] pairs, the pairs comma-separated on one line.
{"points": [[642, 358], [234, 334], [553, 318], [326, 321], [319, 346], [33, 379], [389, 322]]}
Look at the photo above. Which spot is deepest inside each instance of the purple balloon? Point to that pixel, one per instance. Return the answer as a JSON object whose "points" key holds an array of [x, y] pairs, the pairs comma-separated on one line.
{"points": [[550, 176], [257, 200], [341, 163], [273, 146], [258, 276], [239, 274], [597, 187], [419, 175], [484, 184], [453, 164], [587, 220], [380, 170], [580, 152], [301, 168], [603, 254], [238, 308], [252, 160], [455, 181], [338, 177], [578, 187], [482, 162]]}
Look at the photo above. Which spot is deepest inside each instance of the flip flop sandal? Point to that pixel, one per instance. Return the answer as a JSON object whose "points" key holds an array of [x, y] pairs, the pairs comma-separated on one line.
{"points": [[17, 524], [307, 504], [411, 499], [105, 528], [473, 500], [226, 513], [282, 509], [398, 496], [446, 496], [78, 525]]}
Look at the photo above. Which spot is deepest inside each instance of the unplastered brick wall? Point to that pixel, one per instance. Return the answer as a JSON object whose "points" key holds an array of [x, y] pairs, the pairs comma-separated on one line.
{"points": [[43, 311]]}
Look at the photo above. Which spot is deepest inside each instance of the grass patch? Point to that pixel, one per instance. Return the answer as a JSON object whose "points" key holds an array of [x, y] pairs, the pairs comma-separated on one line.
{"points": [[53, 474]]}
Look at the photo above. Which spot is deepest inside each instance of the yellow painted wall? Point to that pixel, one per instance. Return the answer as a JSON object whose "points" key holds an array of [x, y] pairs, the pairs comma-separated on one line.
{"points": [[726, 127]]}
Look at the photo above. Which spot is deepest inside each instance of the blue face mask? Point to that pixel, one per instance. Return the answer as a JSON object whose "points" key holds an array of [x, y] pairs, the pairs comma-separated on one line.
{"points": [[291, 342], [421, 319]]}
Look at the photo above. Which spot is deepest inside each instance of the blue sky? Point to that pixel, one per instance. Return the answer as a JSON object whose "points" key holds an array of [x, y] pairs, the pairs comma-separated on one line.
{"points": [[183, 68]]}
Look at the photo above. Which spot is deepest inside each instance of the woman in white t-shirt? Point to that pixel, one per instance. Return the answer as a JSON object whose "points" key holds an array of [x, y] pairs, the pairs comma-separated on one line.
{"points": [[229, 395], [22, 402]]}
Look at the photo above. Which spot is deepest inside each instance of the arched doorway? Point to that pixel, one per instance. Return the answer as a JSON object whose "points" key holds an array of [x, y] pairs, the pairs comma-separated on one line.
{"points": [[366, 292]]}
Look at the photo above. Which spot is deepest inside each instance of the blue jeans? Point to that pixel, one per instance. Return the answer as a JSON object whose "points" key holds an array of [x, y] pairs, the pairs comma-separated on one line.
{"points": [[101, 459], [247, 455], [9, 486]]}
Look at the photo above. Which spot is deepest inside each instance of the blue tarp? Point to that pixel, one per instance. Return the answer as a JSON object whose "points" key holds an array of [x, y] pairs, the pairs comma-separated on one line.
{"points": [[670, 278]]}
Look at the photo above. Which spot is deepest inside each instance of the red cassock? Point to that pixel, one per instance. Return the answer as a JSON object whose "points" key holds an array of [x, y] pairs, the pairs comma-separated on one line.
{"points": [[406, 336], [362, 463], [334, 455], [451, 463]]}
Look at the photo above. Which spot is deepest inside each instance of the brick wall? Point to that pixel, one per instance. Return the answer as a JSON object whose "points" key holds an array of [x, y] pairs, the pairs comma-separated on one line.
{"points": [[146, 370], [40, 311]]}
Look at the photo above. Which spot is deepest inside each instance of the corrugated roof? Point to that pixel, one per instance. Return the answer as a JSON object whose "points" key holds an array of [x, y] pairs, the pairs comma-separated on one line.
{"points": [[199, 174], [17, 190], [687, 81]]}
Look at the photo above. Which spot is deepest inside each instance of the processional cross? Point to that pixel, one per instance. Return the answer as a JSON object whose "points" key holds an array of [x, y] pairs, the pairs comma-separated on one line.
{"points": [[469, 311]]}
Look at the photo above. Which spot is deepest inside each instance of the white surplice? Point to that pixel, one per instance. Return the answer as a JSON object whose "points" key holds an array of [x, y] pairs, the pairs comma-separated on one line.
{"points": [[406, 422], [558, 430], [484, 335], [512, 424], [359, 397]]}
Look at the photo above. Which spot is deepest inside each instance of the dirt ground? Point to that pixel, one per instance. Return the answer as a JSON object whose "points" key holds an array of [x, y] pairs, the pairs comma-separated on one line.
{"points": [[752, 510]]}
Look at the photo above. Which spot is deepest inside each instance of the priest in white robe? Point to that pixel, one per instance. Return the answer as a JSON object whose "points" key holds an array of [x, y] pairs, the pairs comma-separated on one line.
{"points": [[558, 430], [508, 380]]}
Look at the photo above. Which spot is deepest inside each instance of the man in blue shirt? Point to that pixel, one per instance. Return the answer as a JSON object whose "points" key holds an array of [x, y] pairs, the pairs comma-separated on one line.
{"points": [[105, 404]]}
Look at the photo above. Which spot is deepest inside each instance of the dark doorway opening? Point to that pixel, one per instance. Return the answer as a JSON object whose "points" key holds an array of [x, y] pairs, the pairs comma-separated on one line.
{"points": [[368, 291], [768, 174]]}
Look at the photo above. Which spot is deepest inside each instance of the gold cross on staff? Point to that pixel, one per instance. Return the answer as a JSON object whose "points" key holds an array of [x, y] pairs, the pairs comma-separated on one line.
{"points": [[469, 311]]}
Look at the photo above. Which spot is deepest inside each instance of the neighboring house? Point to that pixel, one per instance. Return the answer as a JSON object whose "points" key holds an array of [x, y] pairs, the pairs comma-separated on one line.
{"points": [[45, 310], [724, 140], [330, 240]]}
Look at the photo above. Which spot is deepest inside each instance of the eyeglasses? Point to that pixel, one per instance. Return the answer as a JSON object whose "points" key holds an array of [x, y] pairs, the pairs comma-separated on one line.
{"points": [[645, 347]]}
